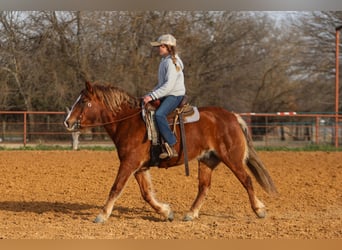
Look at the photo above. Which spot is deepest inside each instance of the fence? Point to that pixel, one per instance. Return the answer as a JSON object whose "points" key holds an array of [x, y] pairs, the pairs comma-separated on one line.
{"points": [[277, 129], [292, 129], [34, 127]]}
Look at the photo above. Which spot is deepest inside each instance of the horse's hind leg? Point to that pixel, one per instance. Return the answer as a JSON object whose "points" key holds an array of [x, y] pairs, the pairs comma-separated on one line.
{"points": [[144, 180], [237, 167]]}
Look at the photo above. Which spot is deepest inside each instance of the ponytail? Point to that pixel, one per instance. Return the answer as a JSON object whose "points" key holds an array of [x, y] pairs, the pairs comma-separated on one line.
{"points": [[172, 51]]}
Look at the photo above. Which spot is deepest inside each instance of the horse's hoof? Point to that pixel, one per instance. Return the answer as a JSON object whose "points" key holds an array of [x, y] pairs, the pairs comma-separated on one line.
{"points": [[188, 218], [261, 213], [170, 217], [99, 219]]}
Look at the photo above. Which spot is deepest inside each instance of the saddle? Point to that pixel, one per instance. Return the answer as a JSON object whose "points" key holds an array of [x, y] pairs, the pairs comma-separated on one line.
{"points": [[184, 113], [183, 108]]}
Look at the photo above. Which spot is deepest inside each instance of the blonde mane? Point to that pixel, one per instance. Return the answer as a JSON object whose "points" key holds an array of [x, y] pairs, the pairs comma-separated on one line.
{"points": [[114, 98]]}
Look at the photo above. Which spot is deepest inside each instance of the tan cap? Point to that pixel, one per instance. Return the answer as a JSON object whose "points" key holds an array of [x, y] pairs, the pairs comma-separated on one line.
{"points": [[165, 39]]}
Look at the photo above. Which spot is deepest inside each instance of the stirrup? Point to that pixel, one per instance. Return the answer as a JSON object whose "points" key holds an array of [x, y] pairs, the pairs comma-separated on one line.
{"points": [[170, 152]]}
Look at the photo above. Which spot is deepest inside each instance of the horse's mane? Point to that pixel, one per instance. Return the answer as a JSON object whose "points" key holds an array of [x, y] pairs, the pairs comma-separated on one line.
{"points": [[113, 97]]}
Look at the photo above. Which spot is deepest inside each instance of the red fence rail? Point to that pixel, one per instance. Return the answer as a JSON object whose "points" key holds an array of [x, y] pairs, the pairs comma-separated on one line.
{"points": [[267, 129], [15, 125], [40, 127], [295, 129]]}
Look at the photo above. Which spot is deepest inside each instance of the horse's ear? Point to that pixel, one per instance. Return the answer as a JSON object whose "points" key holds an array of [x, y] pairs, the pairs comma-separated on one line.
{"points": [[89, 87]]}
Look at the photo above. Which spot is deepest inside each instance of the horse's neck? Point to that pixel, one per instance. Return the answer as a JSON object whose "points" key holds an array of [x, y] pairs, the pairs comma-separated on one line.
{"points": [[125, 115], [128, 123]]}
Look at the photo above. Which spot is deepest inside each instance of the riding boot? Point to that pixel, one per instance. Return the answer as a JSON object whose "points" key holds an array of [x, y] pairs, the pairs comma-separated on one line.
{"points": [[154, 155], [170, 152]]}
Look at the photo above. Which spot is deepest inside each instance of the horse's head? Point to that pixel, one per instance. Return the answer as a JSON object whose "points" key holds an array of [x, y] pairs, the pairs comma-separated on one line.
{"points": [[85, 110]]}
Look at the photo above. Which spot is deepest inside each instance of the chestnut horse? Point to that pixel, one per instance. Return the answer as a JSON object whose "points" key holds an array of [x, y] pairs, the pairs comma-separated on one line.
{"points": [[219, 136]]}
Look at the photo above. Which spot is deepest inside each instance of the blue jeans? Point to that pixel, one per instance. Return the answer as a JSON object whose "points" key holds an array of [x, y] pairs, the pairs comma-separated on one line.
{"points": [[168, 104]]}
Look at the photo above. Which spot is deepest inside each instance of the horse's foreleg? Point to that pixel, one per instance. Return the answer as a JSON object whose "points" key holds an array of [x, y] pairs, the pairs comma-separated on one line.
{"points": [[204, 183], [118, 186], [146, 188]]}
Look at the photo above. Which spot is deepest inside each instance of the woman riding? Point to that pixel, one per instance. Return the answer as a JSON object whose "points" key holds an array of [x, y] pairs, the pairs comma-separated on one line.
{"points": [[170, 90]]}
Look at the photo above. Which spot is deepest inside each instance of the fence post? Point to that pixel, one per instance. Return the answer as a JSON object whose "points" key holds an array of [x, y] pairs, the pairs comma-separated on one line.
{"points": [[317, 129], [25, 127], [266, 127], [337, 65]]}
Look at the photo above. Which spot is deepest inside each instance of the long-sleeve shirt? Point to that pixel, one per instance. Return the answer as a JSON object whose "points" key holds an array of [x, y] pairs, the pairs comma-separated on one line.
{"points": [[170, 81]]}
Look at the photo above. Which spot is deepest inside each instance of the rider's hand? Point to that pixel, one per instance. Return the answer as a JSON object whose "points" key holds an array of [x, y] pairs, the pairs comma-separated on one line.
{"points": [[147, 99]]}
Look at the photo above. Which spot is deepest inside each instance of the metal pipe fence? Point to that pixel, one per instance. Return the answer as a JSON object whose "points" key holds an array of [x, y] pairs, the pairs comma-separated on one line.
{"points": [[293, 129], [268, 129], [43, 128]]}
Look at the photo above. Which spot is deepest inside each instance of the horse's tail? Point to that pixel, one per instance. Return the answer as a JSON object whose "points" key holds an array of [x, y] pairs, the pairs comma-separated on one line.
{"points": [[254, 163]]}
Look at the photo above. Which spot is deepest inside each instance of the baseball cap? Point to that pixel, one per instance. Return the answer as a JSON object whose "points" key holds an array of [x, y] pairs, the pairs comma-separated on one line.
{"points": [[165, 39]]}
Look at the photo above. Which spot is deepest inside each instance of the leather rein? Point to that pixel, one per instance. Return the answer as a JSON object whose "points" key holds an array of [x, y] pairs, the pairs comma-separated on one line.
{"points": [[79, 126]]}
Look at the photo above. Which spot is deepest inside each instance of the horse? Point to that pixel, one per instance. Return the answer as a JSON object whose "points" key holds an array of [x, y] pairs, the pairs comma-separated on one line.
{"points": [[219, 136]]}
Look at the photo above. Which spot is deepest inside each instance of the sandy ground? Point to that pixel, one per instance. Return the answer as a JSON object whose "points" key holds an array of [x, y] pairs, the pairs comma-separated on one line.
{"points": [[57, 194]]}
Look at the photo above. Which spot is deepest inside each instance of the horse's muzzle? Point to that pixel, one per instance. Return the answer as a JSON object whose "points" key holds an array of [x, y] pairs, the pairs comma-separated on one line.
{"points": [[72, 126]]}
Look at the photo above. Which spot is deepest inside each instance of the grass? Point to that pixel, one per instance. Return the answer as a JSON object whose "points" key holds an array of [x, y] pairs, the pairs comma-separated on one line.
{"points": [[329, 148], [56, 147], [43, 147]]}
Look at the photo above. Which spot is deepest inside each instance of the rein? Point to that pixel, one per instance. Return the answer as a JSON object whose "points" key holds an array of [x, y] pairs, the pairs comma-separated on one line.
{"points": [[106, 123]]}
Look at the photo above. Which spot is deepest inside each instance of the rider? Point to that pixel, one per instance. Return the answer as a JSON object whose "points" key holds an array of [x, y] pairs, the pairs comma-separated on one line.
{"points": [[170, 90]]}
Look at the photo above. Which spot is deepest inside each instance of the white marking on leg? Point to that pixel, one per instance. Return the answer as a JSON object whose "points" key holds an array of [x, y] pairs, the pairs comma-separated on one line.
{"points": [[164, 209], [258, 203], [260, 209]]}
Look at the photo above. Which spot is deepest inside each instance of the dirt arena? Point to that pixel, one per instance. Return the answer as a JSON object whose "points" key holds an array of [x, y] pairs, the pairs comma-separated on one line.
{"points": [[57, 194]]}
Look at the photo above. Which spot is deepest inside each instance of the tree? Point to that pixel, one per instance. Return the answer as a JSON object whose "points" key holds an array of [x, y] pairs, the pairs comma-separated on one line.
{"points": [[14, 57], [243, 61], [315, 64]]}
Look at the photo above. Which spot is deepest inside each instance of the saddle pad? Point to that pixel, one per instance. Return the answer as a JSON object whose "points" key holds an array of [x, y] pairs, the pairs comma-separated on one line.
{"points": [[189, 119]]}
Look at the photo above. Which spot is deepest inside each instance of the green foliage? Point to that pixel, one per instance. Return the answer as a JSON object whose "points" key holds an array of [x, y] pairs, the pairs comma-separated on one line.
{"points": [[57, 147], [327, 148]]}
